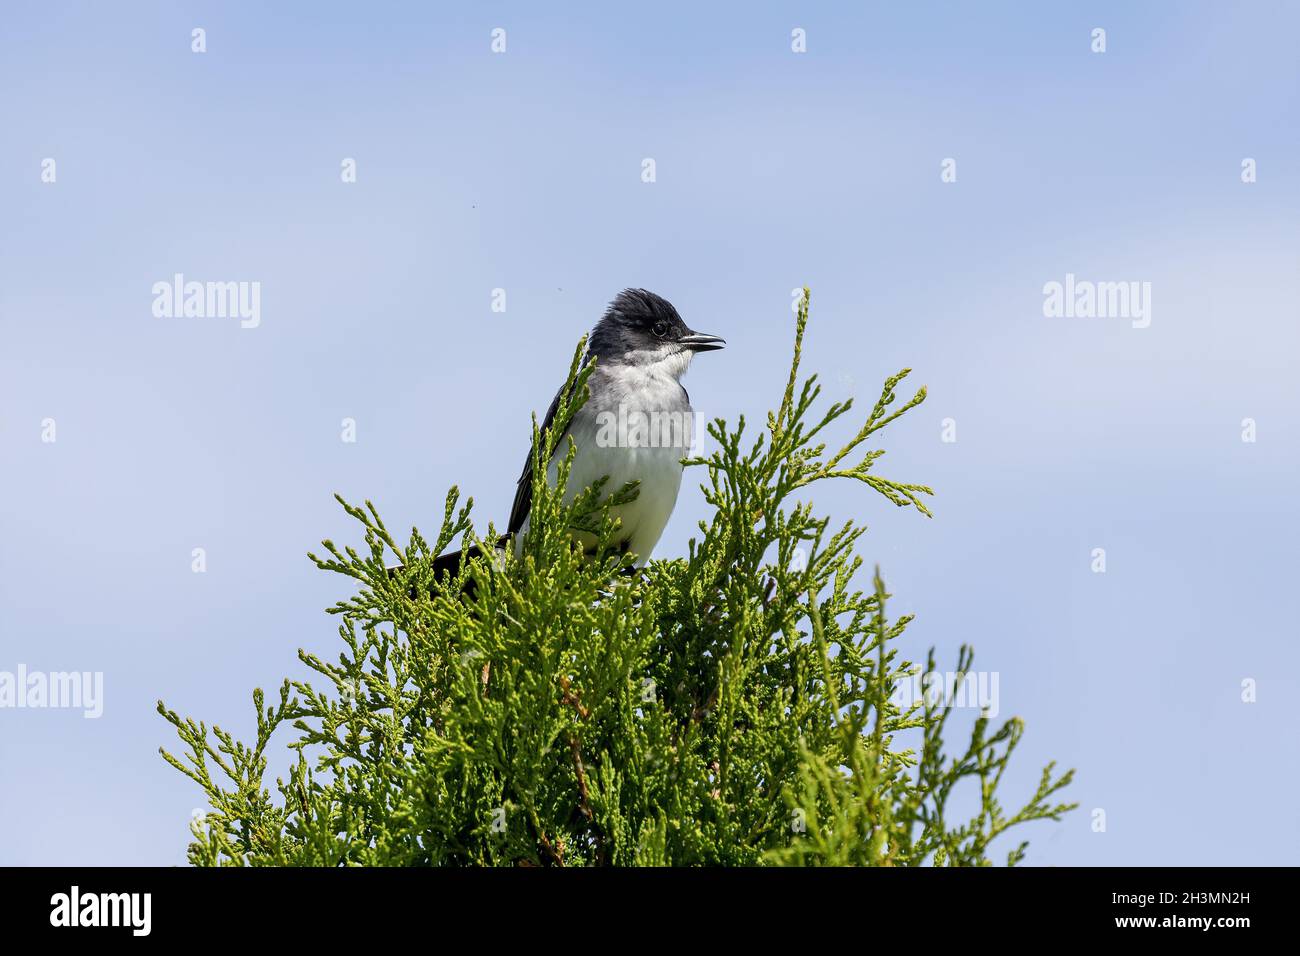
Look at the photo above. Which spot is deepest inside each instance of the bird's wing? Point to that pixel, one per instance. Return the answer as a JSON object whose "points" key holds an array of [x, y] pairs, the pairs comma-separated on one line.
{"points": [[524, 492]]}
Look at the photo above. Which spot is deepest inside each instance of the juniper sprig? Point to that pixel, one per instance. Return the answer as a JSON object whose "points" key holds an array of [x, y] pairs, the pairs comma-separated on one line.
{"points": [[734, 706]]}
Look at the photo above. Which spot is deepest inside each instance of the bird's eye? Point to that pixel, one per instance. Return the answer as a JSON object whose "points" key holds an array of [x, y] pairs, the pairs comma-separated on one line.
{"points": [[661, 329]]}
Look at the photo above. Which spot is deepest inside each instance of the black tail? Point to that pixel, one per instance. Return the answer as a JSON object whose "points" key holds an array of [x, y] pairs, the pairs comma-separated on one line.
{"points": [[447, 566]]}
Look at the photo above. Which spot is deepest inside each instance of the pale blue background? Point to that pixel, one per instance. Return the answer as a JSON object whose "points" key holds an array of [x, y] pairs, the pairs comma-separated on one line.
{"points": [[774, 169]]}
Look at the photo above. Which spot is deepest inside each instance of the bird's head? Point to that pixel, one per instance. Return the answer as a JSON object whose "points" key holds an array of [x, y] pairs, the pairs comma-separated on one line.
{"points": [[642, 329]]}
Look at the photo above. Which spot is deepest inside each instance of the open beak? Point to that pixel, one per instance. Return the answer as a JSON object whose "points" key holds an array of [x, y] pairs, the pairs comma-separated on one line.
{"points": [[699, 342]]}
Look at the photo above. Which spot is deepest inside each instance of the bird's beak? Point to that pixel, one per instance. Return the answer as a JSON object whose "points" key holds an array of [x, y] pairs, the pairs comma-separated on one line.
{"points": [[699, 342]]}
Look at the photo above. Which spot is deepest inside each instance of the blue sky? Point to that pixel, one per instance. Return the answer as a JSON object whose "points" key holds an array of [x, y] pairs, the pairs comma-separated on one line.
{"points": [[774, 169]]}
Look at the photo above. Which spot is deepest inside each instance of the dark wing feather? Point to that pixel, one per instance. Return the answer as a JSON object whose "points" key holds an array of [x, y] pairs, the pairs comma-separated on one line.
{"points": [[524, 492]]}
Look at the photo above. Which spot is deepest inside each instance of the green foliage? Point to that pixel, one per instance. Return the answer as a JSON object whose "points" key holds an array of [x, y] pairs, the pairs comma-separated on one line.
{"points": [[730, 707]]}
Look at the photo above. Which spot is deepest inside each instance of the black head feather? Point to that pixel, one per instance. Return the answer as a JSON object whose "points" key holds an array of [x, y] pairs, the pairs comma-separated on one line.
{"points": [[635, 321]]}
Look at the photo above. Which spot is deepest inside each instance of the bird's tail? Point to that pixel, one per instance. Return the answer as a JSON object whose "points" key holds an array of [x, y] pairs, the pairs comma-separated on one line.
{"points": [[447, 566]]}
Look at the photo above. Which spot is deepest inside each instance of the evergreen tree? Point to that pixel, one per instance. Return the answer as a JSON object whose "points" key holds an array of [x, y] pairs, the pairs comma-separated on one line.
{"points": [[735, 706]]}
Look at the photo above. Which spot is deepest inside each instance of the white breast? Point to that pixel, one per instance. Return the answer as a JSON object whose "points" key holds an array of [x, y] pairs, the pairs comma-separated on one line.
{"points": [[612, 441]]}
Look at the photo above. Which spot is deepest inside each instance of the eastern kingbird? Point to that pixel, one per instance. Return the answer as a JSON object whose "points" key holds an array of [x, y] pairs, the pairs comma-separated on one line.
{"points": [[636, 425]]}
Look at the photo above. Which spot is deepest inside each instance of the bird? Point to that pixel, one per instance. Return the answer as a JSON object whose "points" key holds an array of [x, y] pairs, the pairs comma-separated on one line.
{"points": [[636, 426]]}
